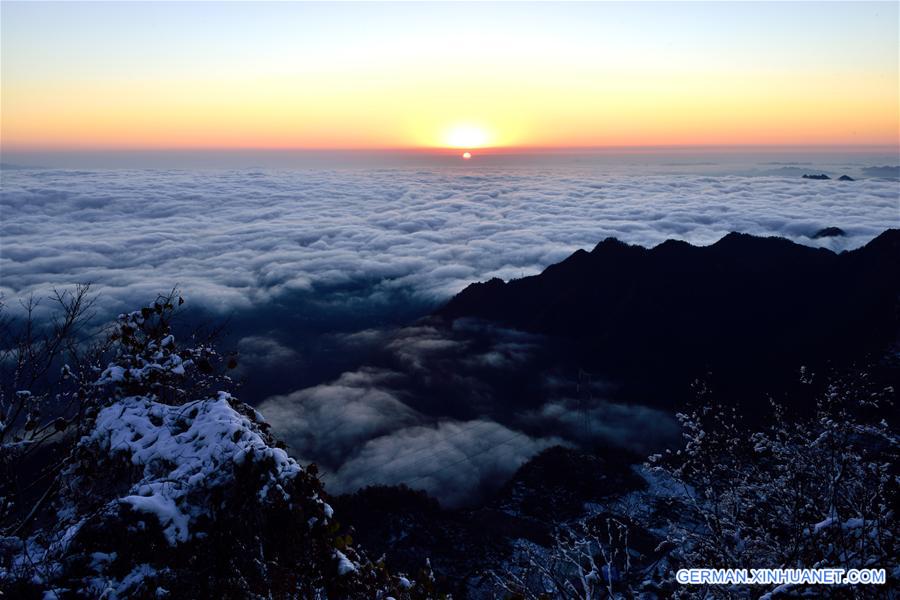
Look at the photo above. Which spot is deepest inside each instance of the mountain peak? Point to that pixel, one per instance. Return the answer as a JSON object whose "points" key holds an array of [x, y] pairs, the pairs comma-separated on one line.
{"points": [[608, 243], [742, 305]]}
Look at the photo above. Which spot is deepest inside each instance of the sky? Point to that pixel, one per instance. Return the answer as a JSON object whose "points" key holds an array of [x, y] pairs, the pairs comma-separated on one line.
{"points": [[177, 75]]}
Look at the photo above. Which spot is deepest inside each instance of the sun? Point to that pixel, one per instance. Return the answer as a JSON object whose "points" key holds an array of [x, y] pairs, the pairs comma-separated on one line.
{"points": [[467, 136], [466, 155]]}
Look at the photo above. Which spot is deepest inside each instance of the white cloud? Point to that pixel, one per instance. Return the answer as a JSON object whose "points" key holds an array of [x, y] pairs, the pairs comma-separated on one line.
{"points": [[231, 241], [328, 423], [265, 352], [451, 460]]}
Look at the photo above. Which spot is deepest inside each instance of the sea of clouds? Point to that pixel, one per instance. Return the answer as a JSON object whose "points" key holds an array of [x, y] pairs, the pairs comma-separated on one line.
{"points": [[351, 246], [232, 239]]}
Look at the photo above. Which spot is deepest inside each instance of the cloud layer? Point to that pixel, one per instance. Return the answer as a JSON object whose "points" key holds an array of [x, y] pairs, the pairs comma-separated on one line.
{"points": [[316, 267], [235, 239], [452, 412]]}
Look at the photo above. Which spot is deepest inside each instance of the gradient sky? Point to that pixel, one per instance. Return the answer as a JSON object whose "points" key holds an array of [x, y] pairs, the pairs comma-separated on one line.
{"points": [[308, 75]]}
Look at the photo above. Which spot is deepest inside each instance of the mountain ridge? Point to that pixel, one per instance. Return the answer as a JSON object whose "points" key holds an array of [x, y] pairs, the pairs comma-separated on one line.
{"points": [[741, 305]]}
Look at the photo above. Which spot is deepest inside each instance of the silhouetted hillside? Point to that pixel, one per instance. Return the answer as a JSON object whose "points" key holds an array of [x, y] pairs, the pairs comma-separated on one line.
{"points": [[750, 310]]}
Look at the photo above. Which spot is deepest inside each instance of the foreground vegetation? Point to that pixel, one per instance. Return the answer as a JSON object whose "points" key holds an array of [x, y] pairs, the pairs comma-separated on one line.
{"points": [[130, 470]]}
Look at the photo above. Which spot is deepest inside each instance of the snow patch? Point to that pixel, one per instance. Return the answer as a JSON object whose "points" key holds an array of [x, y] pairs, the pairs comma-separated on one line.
{"points": [[183, 450], [345, 565]]}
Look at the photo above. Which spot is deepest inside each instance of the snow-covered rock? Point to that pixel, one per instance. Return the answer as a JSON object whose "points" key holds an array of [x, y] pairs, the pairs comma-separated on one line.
{"points": [[184, 451]]}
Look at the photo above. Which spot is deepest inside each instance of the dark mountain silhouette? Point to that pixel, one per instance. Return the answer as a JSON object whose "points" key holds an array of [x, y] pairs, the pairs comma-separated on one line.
{"points": [[816, 176], [748, 310], [845, 178], [829, 232]]}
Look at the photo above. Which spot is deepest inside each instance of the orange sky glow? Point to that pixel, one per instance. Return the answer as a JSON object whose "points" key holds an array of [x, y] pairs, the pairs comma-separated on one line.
{"points": [[454, 80]]}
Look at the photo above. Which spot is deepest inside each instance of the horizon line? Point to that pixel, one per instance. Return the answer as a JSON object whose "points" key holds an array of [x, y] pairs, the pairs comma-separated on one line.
{"points": [[496, 150]]}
